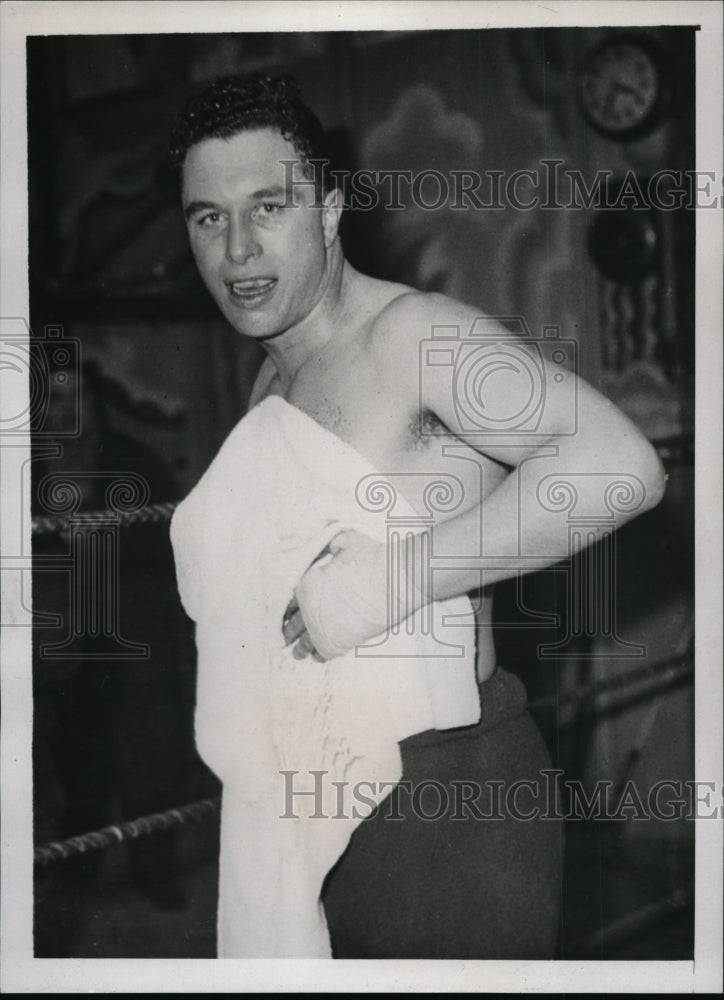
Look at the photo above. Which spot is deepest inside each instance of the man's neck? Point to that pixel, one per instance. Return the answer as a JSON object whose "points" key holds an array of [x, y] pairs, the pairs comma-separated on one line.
{"points": [[292, 349]]}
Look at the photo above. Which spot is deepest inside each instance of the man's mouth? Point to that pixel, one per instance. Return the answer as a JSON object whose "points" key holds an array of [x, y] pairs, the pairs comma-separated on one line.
{"points": [[251, 291]]}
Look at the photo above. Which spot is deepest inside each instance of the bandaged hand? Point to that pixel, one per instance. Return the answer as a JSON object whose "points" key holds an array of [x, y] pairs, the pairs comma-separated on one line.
{"points": [[343, 599]]}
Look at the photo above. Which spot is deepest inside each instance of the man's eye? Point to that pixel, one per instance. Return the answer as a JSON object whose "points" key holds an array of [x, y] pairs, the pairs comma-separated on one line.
{"points": [[209, 219], [270, 208]]}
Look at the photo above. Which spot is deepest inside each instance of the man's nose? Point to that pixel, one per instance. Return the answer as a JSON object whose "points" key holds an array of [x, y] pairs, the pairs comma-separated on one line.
{"points": [[241, 242]]}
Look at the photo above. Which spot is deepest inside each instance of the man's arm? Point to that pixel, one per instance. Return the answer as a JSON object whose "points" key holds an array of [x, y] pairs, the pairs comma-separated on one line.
{"points": [[581, 453], [574, 449]]}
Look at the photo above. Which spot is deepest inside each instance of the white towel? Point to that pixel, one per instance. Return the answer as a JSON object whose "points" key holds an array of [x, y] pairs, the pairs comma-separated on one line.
{"points": [[279, 489]]}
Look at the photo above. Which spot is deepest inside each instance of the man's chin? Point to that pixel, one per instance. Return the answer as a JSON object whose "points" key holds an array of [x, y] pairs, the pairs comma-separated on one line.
{"points": [[248, 325]]}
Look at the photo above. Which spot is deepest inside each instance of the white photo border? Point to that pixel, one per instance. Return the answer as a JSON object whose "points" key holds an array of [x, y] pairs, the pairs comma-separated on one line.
{"points": [[20, 971]]}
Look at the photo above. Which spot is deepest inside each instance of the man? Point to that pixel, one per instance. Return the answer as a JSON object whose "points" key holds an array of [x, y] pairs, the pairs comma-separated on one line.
{"points": [[345, 350]]}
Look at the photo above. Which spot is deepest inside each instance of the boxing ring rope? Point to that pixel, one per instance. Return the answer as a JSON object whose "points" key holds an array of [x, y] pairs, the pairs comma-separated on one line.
{"points": [[60, 850], [646, 681], [666, 672], [622, 931], [156, 513]]}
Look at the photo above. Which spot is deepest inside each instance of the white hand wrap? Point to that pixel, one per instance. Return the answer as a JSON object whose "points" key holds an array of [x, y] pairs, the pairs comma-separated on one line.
{"points": [[344, 599]]}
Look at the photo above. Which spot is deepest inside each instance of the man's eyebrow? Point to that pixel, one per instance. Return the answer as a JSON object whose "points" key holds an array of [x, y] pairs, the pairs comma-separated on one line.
{"points": [[199, 206], [271, 192]]}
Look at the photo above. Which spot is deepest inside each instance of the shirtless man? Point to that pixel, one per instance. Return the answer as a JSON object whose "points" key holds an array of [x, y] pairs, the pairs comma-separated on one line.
{"points": [[345, 349]]}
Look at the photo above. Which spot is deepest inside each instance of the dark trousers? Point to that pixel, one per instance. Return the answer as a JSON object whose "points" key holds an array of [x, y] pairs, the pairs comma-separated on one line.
{"points": [[450, 879]]}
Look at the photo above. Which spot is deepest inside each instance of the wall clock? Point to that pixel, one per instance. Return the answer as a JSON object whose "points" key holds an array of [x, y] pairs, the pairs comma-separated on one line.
{"points": [[623, 88]]}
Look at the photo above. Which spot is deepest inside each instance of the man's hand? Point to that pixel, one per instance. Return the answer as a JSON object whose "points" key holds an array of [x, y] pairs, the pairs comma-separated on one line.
{"points": [[295, 633], [341, 601]]}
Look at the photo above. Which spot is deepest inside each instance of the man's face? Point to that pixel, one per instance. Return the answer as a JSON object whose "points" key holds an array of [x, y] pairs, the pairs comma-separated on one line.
{"points": [[260, 247]]}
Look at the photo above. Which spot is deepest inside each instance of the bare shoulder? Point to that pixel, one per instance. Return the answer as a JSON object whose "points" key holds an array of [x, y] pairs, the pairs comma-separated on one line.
{"points": [[411, 319], [414, 316], [482, 379]]}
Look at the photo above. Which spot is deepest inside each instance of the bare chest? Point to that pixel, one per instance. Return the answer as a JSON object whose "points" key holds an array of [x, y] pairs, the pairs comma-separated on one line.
{"points": [[410, 446]]}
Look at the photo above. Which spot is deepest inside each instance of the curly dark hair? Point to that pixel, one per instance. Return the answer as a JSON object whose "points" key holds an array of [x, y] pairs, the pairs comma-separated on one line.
{"points": [[234, 104]]}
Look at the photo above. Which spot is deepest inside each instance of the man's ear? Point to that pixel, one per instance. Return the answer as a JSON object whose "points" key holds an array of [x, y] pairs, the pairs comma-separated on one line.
{"points": [[331, 215]]}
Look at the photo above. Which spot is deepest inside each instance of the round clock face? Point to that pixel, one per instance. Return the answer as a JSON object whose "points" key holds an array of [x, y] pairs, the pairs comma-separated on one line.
{"points": [[620, 87]]}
